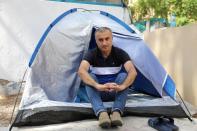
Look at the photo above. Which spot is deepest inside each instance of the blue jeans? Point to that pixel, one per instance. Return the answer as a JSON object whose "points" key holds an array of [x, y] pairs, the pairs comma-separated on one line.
{"points": [[97, 97]]}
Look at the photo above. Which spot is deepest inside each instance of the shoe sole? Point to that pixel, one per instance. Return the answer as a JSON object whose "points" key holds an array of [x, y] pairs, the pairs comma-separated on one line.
{"points": [[116, 123], [105, 125]]}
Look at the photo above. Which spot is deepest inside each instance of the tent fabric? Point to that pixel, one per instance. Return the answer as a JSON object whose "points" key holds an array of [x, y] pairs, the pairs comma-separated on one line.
{"points": [[51, 70], [52, 83]]}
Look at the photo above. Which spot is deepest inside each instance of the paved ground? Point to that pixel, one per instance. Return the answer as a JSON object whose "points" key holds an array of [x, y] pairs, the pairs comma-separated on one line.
{"points": [[131, 124], [6, 108]]}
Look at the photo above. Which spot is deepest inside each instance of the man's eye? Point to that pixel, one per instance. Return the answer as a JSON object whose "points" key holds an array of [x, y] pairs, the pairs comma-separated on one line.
{"points": [[101, 40]]}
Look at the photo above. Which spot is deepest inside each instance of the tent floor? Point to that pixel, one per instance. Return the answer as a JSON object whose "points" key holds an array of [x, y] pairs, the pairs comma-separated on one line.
{"points": [[137, 105]]}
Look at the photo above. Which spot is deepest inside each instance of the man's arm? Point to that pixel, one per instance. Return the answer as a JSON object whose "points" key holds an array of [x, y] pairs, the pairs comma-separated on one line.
{"points": [[87, 79], [130, 76]]}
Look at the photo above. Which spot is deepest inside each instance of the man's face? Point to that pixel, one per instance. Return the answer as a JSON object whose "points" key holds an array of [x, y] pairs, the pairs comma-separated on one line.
{"points": [[104, 41]]}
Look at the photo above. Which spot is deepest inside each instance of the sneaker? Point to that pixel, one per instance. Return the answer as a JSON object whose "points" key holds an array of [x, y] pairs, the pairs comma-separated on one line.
{"points": [[116, 119], [104, 120]]}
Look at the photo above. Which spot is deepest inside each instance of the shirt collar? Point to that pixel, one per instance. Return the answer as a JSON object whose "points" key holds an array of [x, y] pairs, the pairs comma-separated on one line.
{"points": [[100, 54]]}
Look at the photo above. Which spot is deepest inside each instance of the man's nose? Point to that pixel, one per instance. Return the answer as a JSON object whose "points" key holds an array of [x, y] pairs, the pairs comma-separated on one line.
{"points": [[104, 42]]}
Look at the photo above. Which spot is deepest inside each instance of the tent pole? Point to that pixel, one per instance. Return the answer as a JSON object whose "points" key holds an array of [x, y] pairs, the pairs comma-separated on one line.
{"points": [[188, 116], [10, 123]]}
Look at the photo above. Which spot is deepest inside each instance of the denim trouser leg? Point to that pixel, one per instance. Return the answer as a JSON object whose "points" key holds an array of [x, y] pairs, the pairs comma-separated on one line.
{"points": [[121, 96], [95, 97]]}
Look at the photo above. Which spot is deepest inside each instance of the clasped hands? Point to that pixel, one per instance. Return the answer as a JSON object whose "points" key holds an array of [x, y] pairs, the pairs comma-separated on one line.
{"points": [[109, 87]]}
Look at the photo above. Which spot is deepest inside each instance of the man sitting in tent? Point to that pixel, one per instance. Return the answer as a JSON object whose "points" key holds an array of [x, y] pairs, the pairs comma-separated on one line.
{"points": [[106, 80]]}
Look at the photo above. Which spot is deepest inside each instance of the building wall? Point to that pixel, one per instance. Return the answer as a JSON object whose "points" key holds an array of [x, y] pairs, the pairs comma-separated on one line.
{"points": [[176, 49]]}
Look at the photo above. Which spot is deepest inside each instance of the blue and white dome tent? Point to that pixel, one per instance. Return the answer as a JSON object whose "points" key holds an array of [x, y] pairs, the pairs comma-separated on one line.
{"points": [[52, 82]]}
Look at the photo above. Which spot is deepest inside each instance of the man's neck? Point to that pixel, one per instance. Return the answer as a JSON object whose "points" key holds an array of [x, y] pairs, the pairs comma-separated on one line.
{"points": [[106, 54]]}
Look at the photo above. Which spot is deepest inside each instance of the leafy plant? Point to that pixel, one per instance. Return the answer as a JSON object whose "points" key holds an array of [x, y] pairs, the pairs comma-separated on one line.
{"points": [[184, 10]]}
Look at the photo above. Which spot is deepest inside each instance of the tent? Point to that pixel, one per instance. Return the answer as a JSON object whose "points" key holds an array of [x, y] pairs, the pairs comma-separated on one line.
{"points": [[52, 82]]}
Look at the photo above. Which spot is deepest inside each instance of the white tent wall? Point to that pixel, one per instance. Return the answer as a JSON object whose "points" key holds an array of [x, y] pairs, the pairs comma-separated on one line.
{"points": [[22, 23]]}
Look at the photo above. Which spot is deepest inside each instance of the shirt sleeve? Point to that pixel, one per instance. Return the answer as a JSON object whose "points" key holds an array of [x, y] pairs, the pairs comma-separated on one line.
{"points": [[89, 57], [124, 57]]}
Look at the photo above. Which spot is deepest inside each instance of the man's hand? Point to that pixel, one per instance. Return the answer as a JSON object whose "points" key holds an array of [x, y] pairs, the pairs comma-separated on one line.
{"points": [[102, 87], [111, 86], [119, 88]]}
